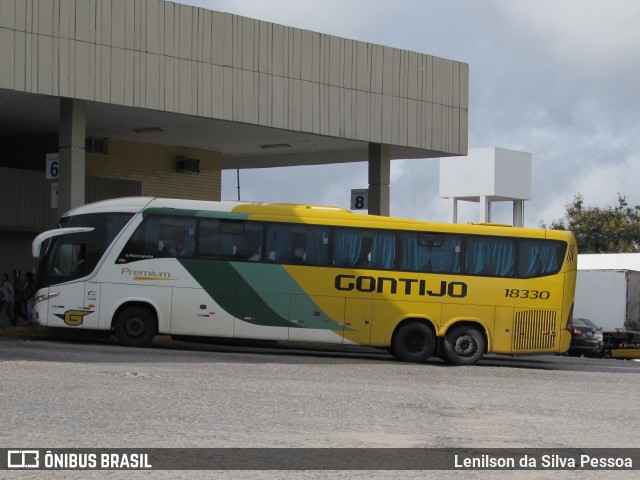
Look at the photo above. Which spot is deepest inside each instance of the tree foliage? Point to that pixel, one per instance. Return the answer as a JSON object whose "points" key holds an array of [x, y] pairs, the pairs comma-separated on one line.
{"points": [[612, 229]]}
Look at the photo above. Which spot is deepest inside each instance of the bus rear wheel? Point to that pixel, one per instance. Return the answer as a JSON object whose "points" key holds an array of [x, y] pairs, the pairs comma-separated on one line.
{"points": [[413, 342], [464, 345], [135, 326]]}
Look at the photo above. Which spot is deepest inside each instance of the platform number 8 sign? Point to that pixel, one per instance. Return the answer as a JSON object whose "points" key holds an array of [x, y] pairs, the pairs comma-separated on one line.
{"points": [[360, 199]]}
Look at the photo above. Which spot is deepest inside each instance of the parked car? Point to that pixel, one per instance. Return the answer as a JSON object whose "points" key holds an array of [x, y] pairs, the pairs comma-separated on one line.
{"points": [[586, 338]]}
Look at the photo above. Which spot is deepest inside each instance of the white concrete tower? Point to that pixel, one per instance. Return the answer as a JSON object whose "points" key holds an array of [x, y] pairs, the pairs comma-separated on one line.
{"points": [[487, 175]]}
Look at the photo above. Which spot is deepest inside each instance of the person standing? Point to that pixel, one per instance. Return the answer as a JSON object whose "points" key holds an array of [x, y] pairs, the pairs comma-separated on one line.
{"points": [[28, 294], [7, 298], [18, 297]]}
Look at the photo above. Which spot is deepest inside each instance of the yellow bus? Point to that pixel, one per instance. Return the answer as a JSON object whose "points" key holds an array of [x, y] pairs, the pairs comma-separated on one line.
{"points": [[304, 273]]}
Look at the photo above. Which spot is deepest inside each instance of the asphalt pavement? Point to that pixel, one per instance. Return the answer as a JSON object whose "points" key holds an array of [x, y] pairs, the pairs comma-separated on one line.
{"points": [[80, 392]]}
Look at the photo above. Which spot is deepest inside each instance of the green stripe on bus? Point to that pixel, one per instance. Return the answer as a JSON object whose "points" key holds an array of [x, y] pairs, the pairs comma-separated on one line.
{"points": [[229, 290], [183, 212], [257, 294], [277, 279]]}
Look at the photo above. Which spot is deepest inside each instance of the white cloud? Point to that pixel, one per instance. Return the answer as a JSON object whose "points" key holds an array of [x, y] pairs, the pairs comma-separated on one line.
{"points": [[605, 181], [599, 184], [350, 19], [586, 33]]}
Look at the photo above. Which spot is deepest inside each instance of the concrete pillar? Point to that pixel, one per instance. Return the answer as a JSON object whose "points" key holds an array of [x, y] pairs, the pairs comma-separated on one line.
{"points": [[453, 210], [485, 209], [379, 179], [73, 122], [518, 213]]}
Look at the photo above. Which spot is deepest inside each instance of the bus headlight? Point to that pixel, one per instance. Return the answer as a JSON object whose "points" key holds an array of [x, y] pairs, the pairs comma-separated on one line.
{"points": [[45, 296]]}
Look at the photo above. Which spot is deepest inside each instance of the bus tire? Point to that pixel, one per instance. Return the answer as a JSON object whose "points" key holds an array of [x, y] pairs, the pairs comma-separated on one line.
{"points": [[135, 326], [464, 345], [413, 342]]}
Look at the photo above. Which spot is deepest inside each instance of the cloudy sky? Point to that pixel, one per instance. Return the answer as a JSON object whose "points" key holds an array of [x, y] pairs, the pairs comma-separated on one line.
{"points": [[557, 78]]}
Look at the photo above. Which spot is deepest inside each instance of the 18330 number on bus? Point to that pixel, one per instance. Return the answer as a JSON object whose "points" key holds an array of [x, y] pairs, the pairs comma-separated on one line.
{"points": [[532, 294]]}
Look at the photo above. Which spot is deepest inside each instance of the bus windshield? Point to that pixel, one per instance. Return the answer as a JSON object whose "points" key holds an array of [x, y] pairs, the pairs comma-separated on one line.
{"points": [[75, 255]]}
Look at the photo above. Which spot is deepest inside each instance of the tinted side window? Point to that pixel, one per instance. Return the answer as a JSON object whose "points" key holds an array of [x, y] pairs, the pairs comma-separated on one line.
{"points": [[383, 250], [246, 238], [432, 253], [364, 248], [159, 236], [210, 240], [303, 244], [540, 257], [490, 256], [230, 240]]}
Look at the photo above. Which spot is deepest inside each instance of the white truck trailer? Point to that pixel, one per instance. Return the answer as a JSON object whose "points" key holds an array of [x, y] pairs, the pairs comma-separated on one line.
{"points": [[608, 294]]}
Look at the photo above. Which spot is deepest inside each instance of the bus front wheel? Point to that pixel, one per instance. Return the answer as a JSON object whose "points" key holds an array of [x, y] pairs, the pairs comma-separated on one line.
{"points": [[464, 345], [413, 342], [135, 326]]}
